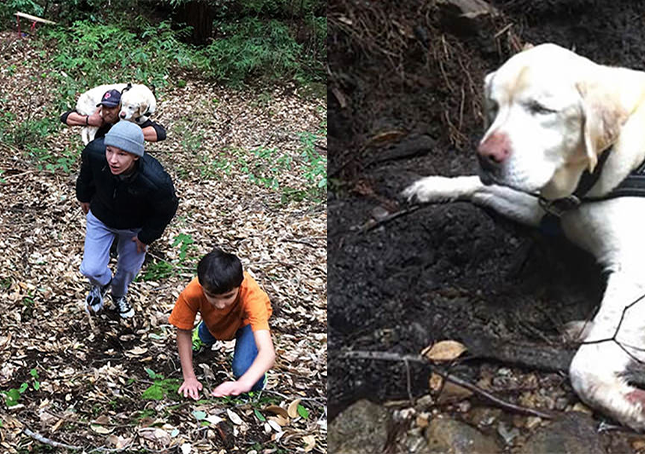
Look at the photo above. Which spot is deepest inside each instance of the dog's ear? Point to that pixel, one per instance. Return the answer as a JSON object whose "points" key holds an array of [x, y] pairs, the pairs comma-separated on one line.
{"points": [[143, 109], [488, 80], [602, 118]]}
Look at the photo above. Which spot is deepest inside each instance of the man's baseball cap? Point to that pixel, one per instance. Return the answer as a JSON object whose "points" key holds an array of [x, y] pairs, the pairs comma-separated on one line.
{"points": [[111, 98]]}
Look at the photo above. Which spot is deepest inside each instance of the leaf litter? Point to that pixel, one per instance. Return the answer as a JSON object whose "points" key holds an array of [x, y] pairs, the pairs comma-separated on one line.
{"points": [[89, 374]]}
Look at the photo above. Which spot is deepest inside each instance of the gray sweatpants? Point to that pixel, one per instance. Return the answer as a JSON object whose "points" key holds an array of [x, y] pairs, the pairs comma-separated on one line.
{"points": [[96, 257]]}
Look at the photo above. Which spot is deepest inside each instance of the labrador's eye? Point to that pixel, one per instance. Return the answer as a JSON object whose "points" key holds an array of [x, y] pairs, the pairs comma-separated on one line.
{"points": [[537, 108], [491, 109]]}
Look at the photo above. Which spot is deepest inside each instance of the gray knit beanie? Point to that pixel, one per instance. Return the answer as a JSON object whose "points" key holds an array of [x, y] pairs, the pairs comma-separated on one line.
{"points": [[126, 136]]}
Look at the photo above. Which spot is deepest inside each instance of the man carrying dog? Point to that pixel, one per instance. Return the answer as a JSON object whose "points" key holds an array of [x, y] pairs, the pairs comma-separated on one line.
{"points": [[126, 195], [107, 115]]}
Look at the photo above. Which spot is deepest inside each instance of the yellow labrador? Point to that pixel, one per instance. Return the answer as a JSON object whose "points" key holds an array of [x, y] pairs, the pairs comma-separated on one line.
{"points": [[564, 134], [138, 103]]}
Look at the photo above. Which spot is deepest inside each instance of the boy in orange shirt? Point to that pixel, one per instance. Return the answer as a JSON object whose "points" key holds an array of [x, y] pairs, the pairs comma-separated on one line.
{"points": [[232, 306]]}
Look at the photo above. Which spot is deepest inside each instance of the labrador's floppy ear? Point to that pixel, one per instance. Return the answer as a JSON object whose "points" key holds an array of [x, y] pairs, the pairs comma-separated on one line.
{"points": [[602, 118], [488, 80], [143, 109]]}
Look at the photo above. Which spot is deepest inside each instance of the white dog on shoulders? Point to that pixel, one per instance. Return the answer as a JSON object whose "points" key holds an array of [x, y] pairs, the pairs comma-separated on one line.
{"points": [[137, 102], [566, 139]]}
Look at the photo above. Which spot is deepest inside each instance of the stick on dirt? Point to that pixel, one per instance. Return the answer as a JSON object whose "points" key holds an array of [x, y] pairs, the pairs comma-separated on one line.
{"points": [[387, 356]]}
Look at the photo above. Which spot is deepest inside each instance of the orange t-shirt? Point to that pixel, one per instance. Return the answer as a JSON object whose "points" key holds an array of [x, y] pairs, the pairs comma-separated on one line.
{"points": [[252, 306]]}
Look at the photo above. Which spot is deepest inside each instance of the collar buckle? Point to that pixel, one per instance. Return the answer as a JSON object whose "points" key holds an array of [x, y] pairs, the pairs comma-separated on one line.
{"points": [[558, 207]]}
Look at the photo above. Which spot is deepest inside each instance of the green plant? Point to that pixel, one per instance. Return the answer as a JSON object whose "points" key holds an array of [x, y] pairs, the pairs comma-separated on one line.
{"points": [[250, 48], [161, 387], [162, 268], [12, 396]]}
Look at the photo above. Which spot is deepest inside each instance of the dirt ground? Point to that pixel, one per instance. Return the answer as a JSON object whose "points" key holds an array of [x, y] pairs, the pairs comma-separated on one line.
{"points": [[404, 101]]}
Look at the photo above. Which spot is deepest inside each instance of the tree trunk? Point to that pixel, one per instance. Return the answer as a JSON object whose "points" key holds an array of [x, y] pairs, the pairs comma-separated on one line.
{"points": [[199, 15]]}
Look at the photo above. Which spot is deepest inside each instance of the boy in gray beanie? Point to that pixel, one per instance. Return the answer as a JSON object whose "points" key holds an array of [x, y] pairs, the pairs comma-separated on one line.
{"points": [[126, 195]]}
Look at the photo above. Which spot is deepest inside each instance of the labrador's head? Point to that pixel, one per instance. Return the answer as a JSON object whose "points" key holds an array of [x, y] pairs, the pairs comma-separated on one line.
{"points": [[137, 104], [548, 117], [135, 111]]}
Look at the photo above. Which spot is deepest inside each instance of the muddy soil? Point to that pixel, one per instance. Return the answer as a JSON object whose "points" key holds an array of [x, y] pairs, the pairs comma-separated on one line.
{"points": [[404, 94]]}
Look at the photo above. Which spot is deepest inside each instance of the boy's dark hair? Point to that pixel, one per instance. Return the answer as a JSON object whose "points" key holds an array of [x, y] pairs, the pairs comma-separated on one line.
{"points": [[219, 272]]}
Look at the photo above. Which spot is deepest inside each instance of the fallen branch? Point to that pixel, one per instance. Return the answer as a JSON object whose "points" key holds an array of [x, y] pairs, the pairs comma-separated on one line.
{"points": [[373, 223], [387, 356], [48, 441]]}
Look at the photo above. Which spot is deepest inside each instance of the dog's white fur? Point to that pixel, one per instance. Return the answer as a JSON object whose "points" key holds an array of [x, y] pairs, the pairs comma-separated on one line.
{"points": [[138, 103], [551, 114]]}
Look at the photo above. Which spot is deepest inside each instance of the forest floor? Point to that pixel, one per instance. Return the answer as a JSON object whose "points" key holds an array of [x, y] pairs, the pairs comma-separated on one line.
{"points": [[243, 166], [405, 90]]}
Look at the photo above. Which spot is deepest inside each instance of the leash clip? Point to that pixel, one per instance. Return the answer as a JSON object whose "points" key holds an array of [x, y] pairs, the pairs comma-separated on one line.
{"points": [[558, 207]]}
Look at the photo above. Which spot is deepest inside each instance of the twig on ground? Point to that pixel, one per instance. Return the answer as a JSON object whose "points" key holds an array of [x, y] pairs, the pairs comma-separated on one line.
{"points": [[306, 243], [387, 356], [373, 223], [308, 399], [48, 441]]}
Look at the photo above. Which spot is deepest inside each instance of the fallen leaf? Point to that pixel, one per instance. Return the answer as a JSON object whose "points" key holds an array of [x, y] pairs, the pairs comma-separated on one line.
{"points": [[137, 351], [435, 382], [444, 351], [100, 429], [292, 410], [279, 419], [235, 419], [310, 442], [214, 420], [275, 426], [277, 410]]}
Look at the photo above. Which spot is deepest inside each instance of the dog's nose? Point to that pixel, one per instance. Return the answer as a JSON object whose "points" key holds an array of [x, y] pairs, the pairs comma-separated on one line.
{"points": [[494, 150], [122, 115]]}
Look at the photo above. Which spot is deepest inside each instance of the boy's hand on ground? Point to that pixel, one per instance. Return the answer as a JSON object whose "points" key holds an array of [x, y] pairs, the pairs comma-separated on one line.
{"points": [[231, 388], [141, 247], [190, 388], [85, 206]]}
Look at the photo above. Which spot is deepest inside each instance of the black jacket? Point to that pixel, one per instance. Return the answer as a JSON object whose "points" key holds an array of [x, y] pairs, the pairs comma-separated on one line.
{"points": [[145, 199]]}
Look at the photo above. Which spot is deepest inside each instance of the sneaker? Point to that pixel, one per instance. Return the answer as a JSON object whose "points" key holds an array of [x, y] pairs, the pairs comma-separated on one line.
{"points": [[123, 307], [94, 299]]}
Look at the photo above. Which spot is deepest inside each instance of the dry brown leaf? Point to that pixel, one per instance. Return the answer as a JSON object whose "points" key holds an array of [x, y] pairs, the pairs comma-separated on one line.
{"points": [[277, 410], [435, 382], [101, 429], [279, 419], [444, 351], [310, 442], [292, 410]]}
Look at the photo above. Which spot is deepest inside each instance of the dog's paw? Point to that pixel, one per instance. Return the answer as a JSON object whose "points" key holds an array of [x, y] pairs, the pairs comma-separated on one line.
{"points": [[441, 189], [576, 331], [598, 374]]}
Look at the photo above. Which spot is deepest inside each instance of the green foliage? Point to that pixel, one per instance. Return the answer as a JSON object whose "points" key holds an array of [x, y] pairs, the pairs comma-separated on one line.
{"points": [[259, 415], [186, 244], [89, 54], [302, 411], [163, 269], [191, 137], [249, 49], [161, 387], [12, 396]]}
